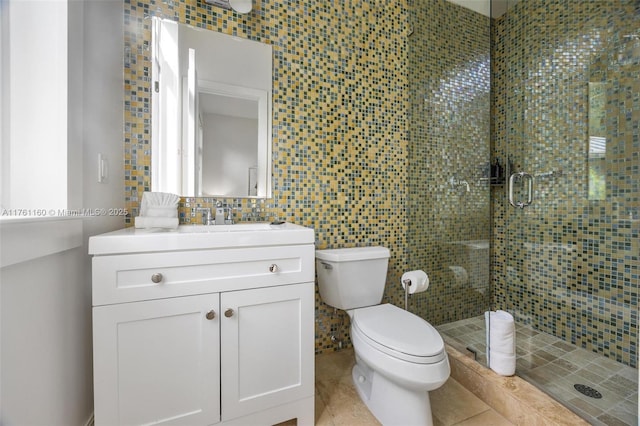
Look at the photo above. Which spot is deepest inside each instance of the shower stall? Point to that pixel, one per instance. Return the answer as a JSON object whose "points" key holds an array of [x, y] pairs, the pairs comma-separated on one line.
{"points": [[524, 188]]}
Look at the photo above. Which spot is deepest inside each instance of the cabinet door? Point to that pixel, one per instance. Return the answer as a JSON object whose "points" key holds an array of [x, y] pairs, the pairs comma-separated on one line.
{"points": [[267, 348], [157, 362]]}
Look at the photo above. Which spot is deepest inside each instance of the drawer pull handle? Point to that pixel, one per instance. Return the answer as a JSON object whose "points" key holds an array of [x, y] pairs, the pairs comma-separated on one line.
{"points": [[211, 314], [228, 313], [273, 268], [157, 277]]}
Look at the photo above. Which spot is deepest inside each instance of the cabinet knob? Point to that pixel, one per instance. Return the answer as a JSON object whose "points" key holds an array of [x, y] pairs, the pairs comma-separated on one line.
{"points": [[273, 268], [228, 313], [211, 314], [157, 277]]}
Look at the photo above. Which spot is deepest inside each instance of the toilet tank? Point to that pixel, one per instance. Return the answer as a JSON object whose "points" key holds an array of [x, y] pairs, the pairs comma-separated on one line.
{"points": [[352, 278]]}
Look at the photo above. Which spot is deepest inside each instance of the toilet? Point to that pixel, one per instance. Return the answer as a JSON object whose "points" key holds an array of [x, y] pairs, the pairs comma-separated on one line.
{"points": [[399, 356]]}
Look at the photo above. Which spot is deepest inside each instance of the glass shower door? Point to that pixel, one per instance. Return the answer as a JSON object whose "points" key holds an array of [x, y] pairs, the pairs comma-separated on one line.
{"points": [[448, 214], [568, 87]]}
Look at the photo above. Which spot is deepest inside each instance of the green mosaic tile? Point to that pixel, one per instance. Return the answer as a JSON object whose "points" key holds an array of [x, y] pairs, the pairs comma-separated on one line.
{"points": [[371, 122], [339, 119], [568, 265]]}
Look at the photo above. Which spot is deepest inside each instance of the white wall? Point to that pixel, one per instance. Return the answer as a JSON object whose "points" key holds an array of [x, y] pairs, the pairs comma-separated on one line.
{"points": [[44, 338], [103, 120], [38, 104], [493, 8], [45, 303], [103, 126], [226, 169]]}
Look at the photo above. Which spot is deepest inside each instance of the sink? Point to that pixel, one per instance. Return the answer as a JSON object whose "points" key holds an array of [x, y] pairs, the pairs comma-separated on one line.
{"points": [[192, 237], [240, 227]]}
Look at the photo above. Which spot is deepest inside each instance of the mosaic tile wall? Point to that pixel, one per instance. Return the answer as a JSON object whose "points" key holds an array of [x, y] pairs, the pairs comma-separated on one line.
{"points": [[569, 264], [365, 145], [448, 224], [339, 120]]}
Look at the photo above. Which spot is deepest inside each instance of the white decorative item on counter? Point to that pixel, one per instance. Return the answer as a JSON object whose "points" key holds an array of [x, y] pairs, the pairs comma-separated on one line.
{"points": [[158, 210]]}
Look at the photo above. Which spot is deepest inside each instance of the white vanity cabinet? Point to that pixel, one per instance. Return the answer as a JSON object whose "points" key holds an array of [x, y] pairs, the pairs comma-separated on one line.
{"points": [[214, 335], [157, 361]]}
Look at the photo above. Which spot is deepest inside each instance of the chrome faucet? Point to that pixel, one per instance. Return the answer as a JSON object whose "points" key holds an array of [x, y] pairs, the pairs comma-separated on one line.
{"points": [[207, 218], [224, 214], [455, 183], [229, 219]]}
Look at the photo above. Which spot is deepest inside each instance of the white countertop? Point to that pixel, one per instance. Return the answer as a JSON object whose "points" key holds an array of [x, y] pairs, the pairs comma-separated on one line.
{"points": [[198, 237]]}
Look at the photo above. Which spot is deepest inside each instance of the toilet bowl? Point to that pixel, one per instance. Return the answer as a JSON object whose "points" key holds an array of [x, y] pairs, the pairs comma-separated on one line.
{"points": [[399, 356]]}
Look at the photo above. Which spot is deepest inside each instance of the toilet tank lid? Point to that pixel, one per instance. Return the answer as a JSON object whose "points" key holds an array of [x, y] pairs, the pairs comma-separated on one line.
{"points": [[353, 254]]}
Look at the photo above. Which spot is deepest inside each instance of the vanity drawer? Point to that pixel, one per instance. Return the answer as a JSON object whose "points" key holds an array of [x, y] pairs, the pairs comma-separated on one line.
{"points": [[146, 276]]}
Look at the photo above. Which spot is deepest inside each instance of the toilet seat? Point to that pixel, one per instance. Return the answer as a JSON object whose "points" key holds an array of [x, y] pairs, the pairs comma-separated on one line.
{"points": [[398, 333]]}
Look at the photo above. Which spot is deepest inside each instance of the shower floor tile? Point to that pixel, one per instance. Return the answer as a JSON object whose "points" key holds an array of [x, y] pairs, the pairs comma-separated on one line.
{"points": [[555, 366]]}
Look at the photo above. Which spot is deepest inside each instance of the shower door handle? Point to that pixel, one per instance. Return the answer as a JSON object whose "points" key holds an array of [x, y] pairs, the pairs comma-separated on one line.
{"points": [[512, 180]]}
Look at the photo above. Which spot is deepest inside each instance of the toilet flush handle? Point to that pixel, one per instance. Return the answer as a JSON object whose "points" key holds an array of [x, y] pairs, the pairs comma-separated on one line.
{"points": [[326, 265]]}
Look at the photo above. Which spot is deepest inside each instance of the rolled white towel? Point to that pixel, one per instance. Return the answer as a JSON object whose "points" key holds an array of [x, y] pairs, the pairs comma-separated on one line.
{"points": [[501, 333], [156, 222], [505, 344], [505, 365], [502, 320], [501, 342]]}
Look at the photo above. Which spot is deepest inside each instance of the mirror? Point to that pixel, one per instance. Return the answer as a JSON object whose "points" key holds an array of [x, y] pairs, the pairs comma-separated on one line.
{"points": [[211, 113]]}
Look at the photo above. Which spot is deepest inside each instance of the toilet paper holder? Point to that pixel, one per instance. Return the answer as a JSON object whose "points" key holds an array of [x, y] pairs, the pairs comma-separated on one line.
{"points": [[413, 282], [407, 284]]}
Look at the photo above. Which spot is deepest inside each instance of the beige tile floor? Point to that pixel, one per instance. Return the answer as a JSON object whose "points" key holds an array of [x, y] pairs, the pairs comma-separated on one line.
{"points": [[338, 404]]}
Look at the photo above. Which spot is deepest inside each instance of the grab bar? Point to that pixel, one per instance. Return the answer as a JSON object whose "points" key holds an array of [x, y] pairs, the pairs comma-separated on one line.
{"points": [[512, 179]]}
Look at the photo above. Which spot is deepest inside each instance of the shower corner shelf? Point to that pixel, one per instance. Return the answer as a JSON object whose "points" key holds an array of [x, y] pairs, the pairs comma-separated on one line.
{"points": [[497, 181], [494, 181]]}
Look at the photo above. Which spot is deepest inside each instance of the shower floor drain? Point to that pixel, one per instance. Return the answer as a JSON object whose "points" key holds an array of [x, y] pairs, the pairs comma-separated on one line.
{"points": [[588, 391]]}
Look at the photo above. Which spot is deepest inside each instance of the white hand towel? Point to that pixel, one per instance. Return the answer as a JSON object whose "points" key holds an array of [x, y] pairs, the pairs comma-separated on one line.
{"points": [[156, 222], [157, 199], [156, 211]]}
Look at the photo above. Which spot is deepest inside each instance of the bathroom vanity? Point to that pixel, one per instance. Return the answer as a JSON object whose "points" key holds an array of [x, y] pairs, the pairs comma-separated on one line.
{"points": [[204, 325]]}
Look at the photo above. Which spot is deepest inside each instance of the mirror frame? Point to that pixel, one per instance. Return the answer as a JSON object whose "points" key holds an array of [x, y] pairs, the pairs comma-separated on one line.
{"points": [[228, 75]]}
